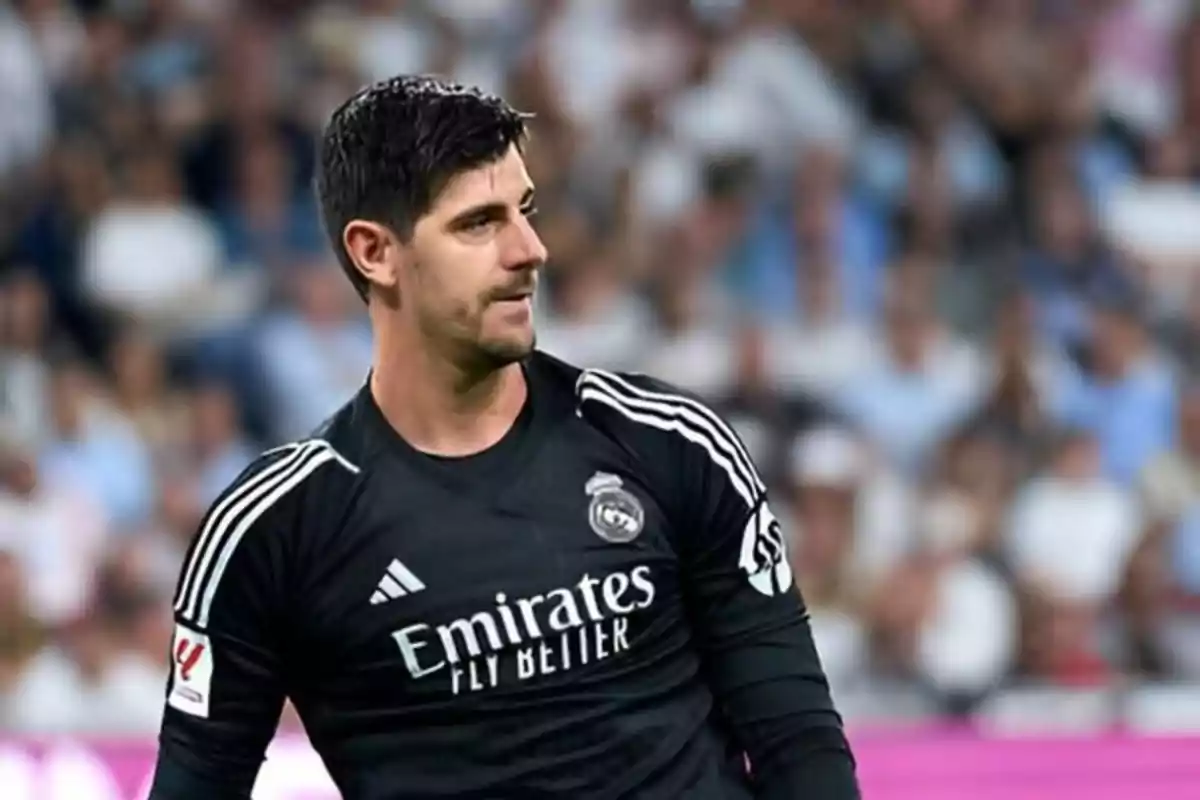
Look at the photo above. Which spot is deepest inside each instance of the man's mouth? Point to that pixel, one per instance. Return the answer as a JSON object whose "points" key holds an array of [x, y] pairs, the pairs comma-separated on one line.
{"points": [[515, 296]]}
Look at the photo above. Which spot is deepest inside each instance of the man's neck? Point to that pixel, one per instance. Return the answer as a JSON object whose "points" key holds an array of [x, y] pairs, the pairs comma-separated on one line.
{"points": [[441, 409]]}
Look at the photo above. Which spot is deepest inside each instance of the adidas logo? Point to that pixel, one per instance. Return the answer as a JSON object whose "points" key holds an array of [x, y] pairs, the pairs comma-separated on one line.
{"points": [[396, 583]]}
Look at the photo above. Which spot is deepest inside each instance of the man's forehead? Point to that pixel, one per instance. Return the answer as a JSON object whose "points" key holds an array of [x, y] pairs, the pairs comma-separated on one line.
{"points": [[503, 181]]}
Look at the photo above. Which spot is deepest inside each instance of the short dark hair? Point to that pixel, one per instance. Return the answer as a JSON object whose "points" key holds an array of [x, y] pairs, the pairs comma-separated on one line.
{"points": [[389, 150]]}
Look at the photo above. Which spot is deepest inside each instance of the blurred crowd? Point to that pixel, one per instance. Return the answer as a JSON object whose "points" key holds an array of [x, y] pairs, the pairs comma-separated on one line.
{"points": [[935, 259]]}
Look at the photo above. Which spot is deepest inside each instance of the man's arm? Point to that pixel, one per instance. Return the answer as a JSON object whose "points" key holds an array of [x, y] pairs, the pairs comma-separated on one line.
{"points": [[226, 688], [752, 627], [759, 657], [747, 616]]}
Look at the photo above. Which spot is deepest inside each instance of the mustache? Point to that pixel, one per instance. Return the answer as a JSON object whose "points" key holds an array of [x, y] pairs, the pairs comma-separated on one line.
{"points": [[513, 291]]}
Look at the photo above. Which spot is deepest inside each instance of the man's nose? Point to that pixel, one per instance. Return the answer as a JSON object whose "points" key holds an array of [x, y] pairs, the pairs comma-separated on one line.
{"points": [[525, 249]]}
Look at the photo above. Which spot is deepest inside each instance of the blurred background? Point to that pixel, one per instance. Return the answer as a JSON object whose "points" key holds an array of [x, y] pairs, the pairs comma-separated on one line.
{"points": [[936, 259]]}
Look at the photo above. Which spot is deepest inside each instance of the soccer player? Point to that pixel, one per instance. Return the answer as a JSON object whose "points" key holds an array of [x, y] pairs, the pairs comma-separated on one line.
{"points": [[491, 574]]}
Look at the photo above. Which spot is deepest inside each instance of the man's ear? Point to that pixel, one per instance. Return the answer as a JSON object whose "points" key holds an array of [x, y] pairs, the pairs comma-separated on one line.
{"points": [[374, 249]]}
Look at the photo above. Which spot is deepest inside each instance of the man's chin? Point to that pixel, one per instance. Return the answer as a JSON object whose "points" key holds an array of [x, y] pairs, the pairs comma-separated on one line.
{"points": [[503, 351]]}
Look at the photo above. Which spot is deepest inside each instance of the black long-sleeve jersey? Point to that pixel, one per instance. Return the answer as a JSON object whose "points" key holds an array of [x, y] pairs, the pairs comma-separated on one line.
{"points": [[599, 606]]}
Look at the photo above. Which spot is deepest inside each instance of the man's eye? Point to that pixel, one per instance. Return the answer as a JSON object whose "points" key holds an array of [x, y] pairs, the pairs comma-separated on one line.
{"points": [[530, 210]]}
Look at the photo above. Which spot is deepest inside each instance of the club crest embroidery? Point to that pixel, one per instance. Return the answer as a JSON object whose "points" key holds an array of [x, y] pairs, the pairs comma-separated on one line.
{"points": [[614, 513]]}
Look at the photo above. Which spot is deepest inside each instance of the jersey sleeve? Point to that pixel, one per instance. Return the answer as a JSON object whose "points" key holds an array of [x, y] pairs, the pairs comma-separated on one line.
{"points": [[752, 626], [227, 681], [747, 615]]}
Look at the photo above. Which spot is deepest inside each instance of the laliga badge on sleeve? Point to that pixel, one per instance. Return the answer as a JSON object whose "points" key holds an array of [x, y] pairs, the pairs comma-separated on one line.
{"points": [[191, 672]]}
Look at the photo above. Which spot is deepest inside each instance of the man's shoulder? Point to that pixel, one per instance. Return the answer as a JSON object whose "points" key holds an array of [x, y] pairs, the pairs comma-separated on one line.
{"points": [[280, 499], [636, 395], [656, 418], [337, 441], [305, 472], [346, 430], [578, 379]]}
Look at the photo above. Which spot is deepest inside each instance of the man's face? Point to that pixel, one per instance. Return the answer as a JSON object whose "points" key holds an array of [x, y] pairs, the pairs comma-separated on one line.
{"points": [[472, 265]]}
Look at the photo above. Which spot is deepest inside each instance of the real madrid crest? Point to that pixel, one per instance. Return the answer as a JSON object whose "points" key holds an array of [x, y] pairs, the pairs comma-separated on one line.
{"points": [[615, 514]]}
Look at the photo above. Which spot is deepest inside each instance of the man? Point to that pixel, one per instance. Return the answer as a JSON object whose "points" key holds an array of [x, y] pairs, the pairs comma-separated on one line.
{"points": [[491, 575]]}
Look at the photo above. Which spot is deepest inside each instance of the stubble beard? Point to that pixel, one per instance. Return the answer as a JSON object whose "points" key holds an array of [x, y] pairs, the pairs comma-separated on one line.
{"points": [[499, 354], [458, 335], [466, 347]]}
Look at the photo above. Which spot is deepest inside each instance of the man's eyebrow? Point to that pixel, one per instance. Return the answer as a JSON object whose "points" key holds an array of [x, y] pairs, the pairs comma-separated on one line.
{"points": [[490, 210]]}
